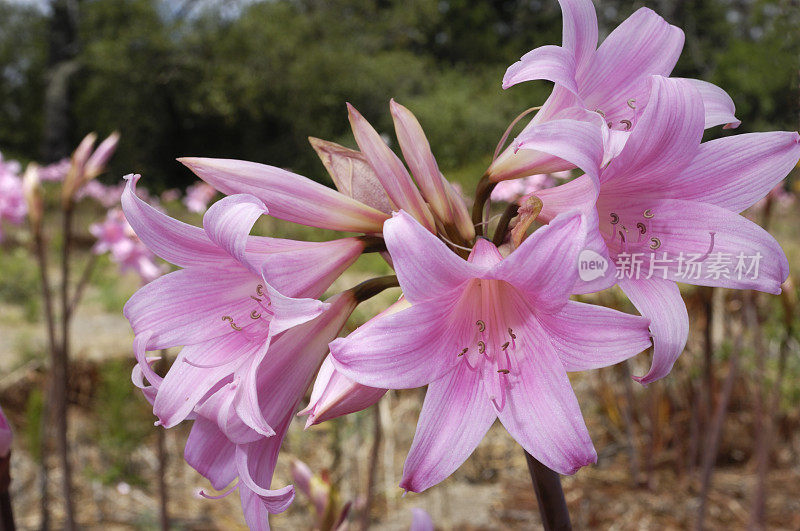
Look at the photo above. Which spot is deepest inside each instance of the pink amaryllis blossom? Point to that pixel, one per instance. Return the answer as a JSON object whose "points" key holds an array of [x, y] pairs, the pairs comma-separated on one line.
{"points": [[491, 337], [668, 209], [233, 295], [372, 182], [116, 237], [610, 79], [282, 379], [198, 196], [13, 207]]}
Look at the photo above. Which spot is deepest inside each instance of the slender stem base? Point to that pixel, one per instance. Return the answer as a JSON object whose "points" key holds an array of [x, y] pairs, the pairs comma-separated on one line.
{"points": [[552, 505]]}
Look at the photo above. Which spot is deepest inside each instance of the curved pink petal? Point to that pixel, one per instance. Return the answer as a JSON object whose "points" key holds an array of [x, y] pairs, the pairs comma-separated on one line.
{"points": [[421, 520], [663, 141], [400, 351], [590, 337], [188, 306], [580, 30], [545, 266], [707, 245], [643, 45], [719, 107], [484, 254], [660, 301], [425, 266], [209, 452], [229, 221], [419, 157], [389, 169], [552, 63], [172, 240], [455, 416], [287, 195], [299, 268], [289, 312], [542, 413], [737, 171]]}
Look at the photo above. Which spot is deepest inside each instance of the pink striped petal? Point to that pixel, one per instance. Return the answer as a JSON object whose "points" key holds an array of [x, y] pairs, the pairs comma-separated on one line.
{"points": [[287, 195], [734, 172], [590, 337], [545, 266], [455, 416], [719, 107], [389, 169], [660, 301], [290, 312], [580, 30], [174, 241], [542, 413], [229, 221], [425, 266], [209, 452], [419, 157], [552, 63]]}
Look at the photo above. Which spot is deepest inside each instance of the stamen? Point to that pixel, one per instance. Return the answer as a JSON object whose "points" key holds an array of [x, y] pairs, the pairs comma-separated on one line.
{"points": [[481, 347], [255, 315], [504, 346], [233, 325], [614, 218], [632, 103], [204, 366], [656, 243], [260, 290], [601, 113], [513, 338], [463, 351], [648, 213], [627, 124], [503, 371], [219, 496], [481, 325], [255, 298], [642, 227]]}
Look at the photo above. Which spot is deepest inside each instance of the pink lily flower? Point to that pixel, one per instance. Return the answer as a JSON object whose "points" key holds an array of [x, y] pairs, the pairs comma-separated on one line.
{"points": [[669, 207], [234, 294], [294, 357], [115, 236], [491, 337], [372, 182], [13, 207], [6, 435], [198, 196], [611, 79], [512, 190]]}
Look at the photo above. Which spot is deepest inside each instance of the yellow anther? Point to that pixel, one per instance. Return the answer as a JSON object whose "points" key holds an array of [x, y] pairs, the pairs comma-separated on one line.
{"points": [[230, 319], [481, 325], [463, 352], [260, 289], [503, 371], [632, 103], [511, 333], [255, 315], [481, 347], [656, 243], [648, 213], [504, 346]]}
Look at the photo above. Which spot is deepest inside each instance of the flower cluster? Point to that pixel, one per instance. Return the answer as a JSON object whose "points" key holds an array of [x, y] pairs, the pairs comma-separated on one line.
{"points": [[12, 198], [487, 326]]}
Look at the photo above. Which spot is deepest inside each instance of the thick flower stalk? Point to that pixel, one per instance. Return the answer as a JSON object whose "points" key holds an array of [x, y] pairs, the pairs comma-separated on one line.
{"points": [[491, 337], [611, 80], [668, 209]]}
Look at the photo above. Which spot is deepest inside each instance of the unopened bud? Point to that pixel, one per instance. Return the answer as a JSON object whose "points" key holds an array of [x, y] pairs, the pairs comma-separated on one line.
{"points": [[32, 189]]}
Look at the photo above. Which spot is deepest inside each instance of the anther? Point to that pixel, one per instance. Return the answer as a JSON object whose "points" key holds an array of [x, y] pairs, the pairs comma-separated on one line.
{"points": [[481, 347], [648, 213], [504, 346], [601, 113], [481, 325], [614, 218], [642, 227], [632, 103], [656, 243], [230, 319], [463, 351], [511, 333], [260, 289], [627, 124], [255, 315], [255, 298], [503, 371]]}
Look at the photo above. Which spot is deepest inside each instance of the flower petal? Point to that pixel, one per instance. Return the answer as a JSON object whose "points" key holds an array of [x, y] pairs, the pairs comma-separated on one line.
{"points": [[541, 412], [187, 306], [287, 195], [425, 266], [590, 337], [172, 240], [545, 266], [403, 350], [552, 63], [455, 416], [663, 141], [643, 45], [736, 171], [389, 169], [209, 452], [719, 107], [290, 312], [580, 30], [660, 301], [229, 221], [419, 157]]}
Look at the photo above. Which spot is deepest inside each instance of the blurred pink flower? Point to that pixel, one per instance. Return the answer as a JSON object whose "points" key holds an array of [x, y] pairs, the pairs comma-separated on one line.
{"points": [[173, 194], [56, 171], [198, 196], [316, 488], [421, 520], [491, 337], [13, 206], [513, 189], [6, 436], [107, 196]]}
